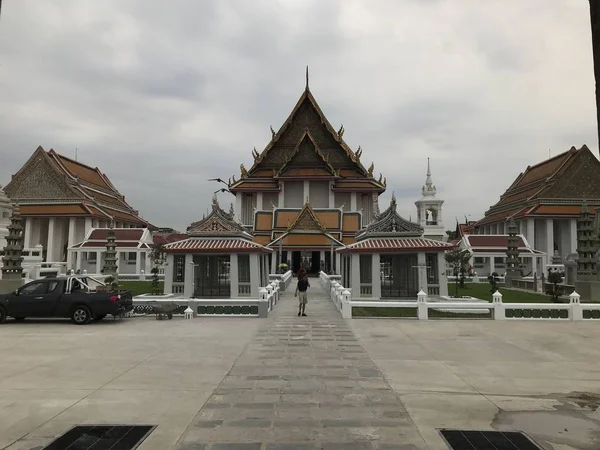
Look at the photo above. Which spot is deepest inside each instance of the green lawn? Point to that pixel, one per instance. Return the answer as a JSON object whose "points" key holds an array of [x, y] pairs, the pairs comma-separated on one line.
{"points": [[139, 287], [482, 291]]}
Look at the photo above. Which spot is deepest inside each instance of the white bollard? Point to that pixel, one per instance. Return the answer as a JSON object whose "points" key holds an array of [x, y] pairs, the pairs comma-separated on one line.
{"points": [[499, 311], [422, 311], [346, 305], [576, 309], [188, 313], [142, 275]]}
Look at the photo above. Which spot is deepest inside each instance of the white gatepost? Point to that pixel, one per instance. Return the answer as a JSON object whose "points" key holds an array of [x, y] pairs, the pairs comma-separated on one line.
{"points": [[346, 305], [333, 290], [576, 309], [422, 312], [234, 285], [499, 311], [376, 276], [269, 289], [263, 304], [275, 285], [338, 296]]}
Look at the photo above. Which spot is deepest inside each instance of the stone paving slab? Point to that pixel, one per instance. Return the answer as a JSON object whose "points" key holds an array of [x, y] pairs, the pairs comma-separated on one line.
{"points": [[304, 383]]}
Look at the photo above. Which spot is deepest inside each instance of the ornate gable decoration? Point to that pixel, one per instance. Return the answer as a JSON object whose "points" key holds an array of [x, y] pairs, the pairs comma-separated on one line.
{"points": [[218, 223], [391, 224], [306, 220], [310, 156], [40, 179]]}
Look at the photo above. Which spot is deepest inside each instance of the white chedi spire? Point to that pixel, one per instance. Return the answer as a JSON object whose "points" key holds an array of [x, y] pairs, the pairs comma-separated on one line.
{"points": [[428, 189]]}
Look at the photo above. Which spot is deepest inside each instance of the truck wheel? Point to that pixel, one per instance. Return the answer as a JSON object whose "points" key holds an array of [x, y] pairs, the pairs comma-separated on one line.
{"points": [[2, 315], [81, 315], [100, 317]]}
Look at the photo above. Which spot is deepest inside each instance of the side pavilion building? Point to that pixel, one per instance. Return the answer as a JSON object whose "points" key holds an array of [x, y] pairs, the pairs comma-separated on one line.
{"points": [[217, 260], [392, 259]]}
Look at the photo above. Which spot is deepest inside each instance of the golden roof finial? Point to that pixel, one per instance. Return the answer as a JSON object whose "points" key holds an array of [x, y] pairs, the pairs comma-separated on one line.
{"points": [[307, 78]]}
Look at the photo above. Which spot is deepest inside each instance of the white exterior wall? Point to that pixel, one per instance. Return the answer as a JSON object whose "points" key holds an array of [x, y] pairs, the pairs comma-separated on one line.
{"points": [[234, 275], [443, 278], [254, 275]]}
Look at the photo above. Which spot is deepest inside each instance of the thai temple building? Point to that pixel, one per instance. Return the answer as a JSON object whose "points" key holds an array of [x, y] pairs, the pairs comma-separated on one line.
{"points": [[545, 201], [62, 199], [308, 201]]}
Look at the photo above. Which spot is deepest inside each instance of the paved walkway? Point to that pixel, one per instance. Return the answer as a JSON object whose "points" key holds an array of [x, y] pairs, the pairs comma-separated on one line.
{"points": [[303, 383]]}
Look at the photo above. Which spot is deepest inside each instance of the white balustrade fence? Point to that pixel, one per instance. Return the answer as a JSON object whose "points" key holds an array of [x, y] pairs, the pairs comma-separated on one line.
{"points": [[284, 279], [572, 311]]}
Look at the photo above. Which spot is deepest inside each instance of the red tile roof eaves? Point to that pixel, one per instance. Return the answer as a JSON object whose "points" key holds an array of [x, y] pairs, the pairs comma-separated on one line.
{"points": [[231, 245], [397, 245]]}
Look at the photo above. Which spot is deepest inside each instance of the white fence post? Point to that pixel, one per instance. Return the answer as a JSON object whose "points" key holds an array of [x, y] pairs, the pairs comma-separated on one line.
{"points": [[576, 309], [263, 304], [499, 311], [422, 312], [188, 313], [346, 305], [142, 275]]}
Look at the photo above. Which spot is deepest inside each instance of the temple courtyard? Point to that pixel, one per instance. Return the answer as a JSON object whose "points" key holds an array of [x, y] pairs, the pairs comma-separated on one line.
{"points": [[288, 382]]}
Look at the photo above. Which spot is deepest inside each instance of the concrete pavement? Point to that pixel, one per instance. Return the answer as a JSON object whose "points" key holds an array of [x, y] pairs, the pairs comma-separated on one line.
{"points": [[301, 382]]}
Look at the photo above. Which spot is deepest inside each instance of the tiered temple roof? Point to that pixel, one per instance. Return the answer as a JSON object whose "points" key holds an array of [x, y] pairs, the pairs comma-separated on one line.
{"points": [[52, 185], [392, 233], [554, 188], [307, 147], [216, 233], [133, 238]]}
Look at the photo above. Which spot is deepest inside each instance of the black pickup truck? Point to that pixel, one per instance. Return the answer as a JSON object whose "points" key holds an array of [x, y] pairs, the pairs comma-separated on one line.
{"points": [[80, 298]]}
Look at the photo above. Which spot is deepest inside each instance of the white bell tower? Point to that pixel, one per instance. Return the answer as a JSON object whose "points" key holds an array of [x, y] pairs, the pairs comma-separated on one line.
{"points": [[429, 210]]}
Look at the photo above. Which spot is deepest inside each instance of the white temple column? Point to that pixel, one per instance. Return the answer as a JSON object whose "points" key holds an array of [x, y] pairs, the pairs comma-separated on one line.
{"points": [[238, 207], [422, 271], [353, 201], [254, 275], [138, 262], [71, 241], [338, 263], [79, 258], [492, 265], [376, 276], [331, 195], [27, 242], [531, 232], [50, 243], [259, 201], [234, 275], [168, 282], [549, 240], [87, 226], [281, 199], [98, 261], [442, 277], [355, 275], [306, 192], [190, 271], [572, 236]]}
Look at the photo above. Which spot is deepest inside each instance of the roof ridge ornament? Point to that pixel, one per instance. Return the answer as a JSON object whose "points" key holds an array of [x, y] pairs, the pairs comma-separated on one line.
{"points": [[428, 189]]}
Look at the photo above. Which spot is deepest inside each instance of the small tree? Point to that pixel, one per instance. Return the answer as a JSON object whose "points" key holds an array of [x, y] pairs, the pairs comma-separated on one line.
{"points": [[111, 283], [458, 260], [158, 257], [555, 278], [493, 279]]}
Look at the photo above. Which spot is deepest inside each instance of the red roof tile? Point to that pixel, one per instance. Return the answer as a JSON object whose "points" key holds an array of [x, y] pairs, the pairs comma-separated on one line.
{"points": [[230, 245], [396, 245], [121, 234], [483, 240]]}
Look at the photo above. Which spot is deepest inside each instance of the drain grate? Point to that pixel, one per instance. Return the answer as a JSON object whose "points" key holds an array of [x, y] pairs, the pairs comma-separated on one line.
{"points": [[488, 440], [102, 437]]}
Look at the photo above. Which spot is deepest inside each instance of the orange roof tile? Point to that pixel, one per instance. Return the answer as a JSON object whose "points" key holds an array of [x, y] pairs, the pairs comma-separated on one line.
{"points": [[79, 170], [49, 210]]}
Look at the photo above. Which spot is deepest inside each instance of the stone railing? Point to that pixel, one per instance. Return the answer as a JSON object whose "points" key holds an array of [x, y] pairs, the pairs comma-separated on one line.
{"points": [[284, 279], [574, 310], [340, 296]]}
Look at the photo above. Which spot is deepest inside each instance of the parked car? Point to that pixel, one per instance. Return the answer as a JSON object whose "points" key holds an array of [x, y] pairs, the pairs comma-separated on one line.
{"points": [[79, 298]]}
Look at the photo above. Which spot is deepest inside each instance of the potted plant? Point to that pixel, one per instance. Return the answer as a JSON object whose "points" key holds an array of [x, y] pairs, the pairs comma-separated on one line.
{"points": [[283, 267]]}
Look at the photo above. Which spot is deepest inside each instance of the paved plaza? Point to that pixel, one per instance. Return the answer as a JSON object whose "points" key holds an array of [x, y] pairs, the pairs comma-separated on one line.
{"points": [[291, 382]]}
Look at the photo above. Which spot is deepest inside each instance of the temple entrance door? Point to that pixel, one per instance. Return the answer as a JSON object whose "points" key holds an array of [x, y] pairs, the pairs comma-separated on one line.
{"points": [[398, 276], [315, 265], [211, 276], [296, 261]]}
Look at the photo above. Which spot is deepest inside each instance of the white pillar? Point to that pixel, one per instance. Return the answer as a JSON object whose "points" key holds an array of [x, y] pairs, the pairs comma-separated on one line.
{"points": [[79, 258], [237, 213], [306, 191], [338, 263], [531, 232], [168, 285], [98, 261], [549, 239], [27, 241], [376, 275], [87, 226], [422, 271], [259, 201], [353, 204], [573, 236], [355, 275], [331, 195], [138, 262], [254, 275], [71, 241], [492, 265], [50, 243], [281, 200], [190, 270], [234, 275]]}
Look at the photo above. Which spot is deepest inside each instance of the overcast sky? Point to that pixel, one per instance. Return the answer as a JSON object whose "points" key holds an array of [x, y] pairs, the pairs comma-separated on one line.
{"points": [[161, 95]]}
